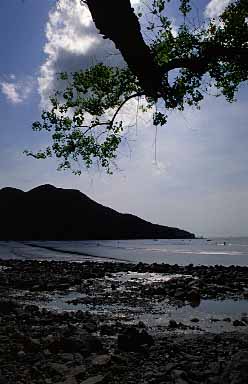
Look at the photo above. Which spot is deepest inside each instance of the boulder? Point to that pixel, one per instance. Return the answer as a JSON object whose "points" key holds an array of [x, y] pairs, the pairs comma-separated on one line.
{"points": [[239, 323], [101, 360], [68, 380], [7, 306], [132, 339], [3, 379], [173, 324], [179, 376], [194, 294], [194, 297], [236, 372], [31, 345], [81, 342], [195, 320], [179, 294], [94, 380]]}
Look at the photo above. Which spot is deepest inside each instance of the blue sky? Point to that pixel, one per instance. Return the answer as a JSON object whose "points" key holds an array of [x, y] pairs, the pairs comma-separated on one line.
{"points": [[199, 179]]}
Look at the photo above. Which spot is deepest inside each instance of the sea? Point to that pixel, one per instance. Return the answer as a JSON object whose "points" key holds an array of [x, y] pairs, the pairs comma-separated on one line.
{"points": [[208, 251]]}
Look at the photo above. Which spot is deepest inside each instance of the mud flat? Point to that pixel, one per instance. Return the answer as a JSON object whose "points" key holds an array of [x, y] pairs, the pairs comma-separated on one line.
{"points": [[122, 323]]}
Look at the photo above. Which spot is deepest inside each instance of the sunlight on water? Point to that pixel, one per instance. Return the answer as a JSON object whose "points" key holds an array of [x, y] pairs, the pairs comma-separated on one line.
{"points": [[144, 278]]}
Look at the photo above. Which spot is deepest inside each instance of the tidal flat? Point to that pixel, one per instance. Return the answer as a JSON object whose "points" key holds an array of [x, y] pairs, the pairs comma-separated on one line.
{"points": [[89, 323]]}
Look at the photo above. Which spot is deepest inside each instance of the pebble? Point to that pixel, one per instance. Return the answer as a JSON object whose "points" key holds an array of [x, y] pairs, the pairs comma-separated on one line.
{"points": [[93, 380]]}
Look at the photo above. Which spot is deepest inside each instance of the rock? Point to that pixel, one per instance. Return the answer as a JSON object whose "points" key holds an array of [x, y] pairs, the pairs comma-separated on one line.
{"points": [[132, 339], [236, 371], [69, 380], [31, 308], [214, 367], [179, 380], [195, 320], [179, 294], [79, 372], [65, 357], [179, 376], [170, 366], [244, 318], [56, 368], [245, 294], [107, 329], [32, 345], [238, 323], [46, 352], [173, 324], [101, 360], [78, 358], [91, 326], [81, 342], [194, 294], [7, 306], [93, 380], [3, 379], [119, 359], [141, 324], [21, 354], [227, 319]]}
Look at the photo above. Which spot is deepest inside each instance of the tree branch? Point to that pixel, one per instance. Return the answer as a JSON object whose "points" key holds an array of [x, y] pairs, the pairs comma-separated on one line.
{"points": [[123, 103], [209, 55], [117, 21]]}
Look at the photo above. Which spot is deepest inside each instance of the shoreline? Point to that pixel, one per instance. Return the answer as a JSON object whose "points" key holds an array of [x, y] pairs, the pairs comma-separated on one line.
{"points": [[90, 346]]}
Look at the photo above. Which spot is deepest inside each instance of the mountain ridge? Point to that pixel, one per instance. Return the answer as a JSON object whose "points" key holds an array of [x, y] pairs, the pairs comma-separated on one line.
{"points": [[50, 213]]}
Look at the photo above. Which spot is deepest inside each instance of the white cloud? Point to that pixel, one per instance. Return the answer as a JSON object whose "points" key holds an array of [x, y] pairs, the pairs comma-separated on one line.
{"points": [[17, 92], [216, 7], [73, 43], [10, 91]]}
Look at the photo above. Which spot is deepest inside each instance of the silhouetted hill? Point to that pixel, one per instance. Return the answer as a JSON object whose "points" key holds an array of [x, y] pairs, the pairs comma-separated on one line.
{"points": [[50, 213]]}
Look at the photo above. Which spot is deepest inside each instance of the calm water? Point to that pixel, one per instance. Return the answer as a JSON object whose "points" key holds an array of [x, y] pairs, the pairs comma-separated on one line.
{"points": [[225, 251]]}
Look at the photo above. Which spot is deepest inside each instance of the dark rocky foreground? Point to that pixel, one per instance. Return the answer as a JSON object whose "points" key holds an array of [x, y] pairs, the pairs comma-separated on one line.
{"points": [[38, 345]]}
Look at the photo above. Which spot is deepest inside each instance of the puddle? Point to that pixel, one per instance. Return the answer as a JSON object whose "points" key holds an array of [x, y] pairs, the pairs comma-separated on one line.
{"points": [[118, 297], [211, 315], [225, 307]]}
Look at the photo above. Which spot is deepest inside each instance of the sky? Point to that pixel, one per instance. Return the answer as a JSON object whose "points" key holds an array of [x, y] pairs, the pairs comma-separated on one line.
{"points": [[196, 179]]}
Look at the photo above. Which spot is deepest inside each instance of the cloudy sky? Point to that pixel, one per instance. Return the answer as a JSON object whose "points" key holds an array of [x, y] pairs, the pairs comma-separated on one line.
{"points": [[197, 177]]}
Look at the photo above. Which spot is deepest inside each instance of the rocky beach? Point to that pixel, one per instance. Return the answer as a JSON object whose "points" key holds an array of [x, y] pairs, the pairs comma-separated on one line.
{"points": [[89, 323]]}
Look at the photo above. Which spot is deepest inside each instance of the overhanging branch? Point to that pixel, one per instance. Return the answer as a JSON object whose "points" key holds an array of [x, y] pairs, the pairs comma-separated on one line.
{"points": [[210, 54], [117, 21]]}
